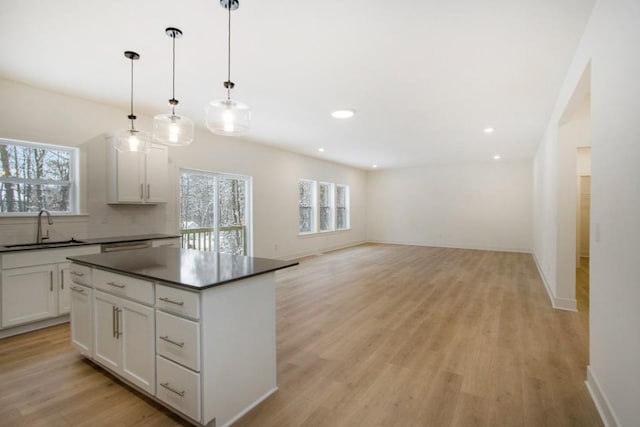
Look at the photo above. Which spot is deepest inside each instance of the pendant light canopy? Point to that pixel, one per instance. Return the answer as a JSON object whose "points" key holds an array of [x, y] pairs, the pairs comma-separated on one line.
{"points": [[172, 129], [226, 116], [133, 140]]}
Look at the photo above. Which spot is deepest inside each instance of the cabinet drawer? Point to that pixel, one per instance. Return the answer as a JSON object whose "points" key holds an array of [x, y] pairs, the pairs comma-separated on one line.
{"points": [[80, 275], [178, 301], [178, 339], [125, 286], [178, 387]]}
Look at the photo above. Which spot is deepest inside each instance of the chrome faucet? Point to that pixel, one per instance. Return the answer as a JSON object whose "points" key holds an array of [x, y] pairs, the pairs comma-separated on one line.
{"points": [[39, 236]]}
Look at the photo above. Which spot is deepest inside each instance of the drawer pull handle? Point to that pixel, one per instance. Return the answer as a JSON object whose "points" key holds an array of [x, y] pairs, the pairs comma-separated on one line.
{"points": [[169, 340], [75, 273], [77, 283], [171, 301], [115, 284], [171, 389], [73, 288]]}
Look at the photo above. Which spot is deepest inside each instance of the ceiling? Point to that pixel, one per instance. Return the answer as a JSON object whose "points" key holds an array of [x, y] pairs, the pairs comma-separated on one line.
{"points": [[425, 77]]}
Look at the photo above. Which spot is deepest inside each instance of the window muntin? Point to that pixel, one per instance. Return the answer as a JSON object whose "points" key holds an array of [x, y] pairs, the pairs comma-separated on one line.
{"points": [[342, 207], [37, 176], [307, 203], [325, 206]]}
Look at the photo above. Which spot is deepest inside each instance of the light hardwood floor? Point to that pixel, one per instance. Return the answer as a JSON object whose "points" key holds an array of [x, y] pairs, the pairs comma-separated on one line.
{"points": [[376, 335]]}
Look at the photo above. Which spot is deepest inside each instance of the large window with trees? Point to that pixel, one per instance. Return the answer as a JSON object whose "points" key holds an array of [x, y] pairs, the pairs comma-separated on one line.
{"points": [[307, 202], [37, 176], [323, 206], [215, 212], [342, 207]]}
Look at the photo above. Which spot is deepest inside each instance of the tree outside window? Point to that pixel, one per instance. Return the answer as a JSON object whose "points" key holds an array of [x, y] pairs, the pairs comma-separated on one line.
{"points": [[35, 177]]}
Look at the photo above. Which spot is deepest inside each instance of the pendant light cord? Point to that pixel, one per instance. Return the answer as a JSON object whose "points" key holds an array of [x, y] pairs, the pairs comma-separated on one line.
{"points": [[229, 4], [131, 116], [173, 96]]}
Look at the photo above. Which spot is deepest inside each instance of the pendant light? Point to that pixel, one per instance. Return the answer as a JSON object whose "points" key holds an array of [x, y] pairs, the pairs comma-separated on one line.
{"points": [[226, 116], [132, 140], [172, 129]]}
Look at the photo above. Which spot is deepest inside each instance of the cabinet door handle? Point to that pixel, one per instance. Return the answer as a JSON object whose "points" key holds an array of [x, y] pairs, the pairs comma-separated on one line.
{"points": [[51, 281], [165, 299], [148, 191], [170, 341], [113, 320], [118, 331], [75, 273], [171, 389], [73, 288], [115, 284], [62, 280], [142, 191]]}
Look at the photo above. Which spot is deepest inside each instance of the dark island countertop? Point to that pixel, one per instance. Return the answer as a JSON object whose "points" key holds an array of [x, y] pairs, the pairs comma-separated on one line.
{"points": [[183, 267]]}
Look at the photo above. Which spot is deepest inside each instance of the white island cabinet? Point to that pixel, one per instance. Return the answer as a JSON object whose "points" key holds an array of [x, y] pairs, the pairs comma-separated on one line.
{"points": [[194, 330]]}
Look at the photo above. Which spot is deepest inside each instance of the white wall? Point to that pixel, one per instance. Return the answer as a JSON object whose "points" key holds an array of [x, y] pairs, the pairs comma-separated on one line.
{"points": [[41, 116], [482, 206], [611, 42]]}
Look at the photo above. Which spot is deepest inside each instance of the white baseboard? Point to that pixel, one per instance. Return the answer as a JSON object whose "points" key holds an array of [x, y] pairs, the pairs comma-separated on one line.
{"points": [[567, 304], [21, 329], [461, 246], [320, 251], [600, 399]]}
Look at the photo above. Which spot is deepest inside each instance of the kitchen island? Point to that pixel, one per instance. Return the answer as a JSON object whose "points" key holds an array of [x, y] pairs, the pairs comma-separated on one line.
{"points": [[194, 330]]}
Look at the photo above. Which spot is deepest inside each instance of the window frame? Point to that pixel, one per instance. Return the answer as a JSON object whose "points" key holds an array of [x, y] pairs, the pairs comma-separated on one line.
{"points": [[332, 206], [314, 207], [73, 182], [216, 212], [347, 203]]}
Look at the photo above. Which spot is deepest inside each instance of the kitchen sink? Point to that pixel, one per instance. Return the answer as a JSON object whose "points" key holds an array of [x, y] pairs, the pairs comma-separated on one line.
{"points": [[45, 245]]}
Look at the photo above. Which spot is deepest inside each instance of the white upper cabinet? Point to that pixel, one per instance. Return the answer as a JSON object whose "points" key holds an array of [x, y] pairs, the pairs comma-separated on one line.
{"points": [[137, 178]]}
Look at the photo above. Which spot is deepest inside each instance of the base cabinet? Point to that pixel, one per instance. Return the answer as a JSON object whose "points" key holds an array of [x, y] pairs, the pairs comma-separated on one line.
{"points": [[28, 294], [64, 291], [124, 333], [82, 318]]}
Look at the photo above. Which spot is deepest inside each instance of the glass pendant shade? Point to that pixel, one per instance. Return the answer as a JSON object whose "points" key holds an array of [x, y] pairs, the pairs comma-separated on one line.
{"points": [[173, 130], [228, 117], [133, 140]]}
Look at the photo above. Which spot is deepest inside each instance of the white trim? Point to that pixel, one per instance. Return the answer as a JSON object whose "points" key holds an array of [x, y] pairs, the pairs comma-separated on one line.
{"points": [[461, 246], [29, 327], [320, 251], [603, 406], [567, 304], [250, 407]]}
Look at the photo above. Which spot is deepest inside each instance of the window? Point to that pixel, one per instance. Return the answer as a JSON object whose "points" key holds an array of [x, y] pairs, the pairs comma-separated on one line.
{"points": [[307, 202], [342, 207], [37, 176], [323, 206], [215, 212]]}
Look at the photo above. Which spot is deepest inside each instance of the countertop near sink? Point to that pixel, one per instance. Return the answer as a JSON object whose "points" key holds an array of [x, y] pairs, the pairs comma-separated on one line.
{"points": [[98, 241]]}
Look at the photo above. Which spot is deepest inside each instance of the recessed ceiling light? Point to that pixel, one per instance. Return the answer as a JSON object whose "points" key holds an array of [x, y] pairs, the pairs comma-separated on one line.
{"points": [[343, 114], [374, 166], [497, 157], [489, 130], [321, 150]]}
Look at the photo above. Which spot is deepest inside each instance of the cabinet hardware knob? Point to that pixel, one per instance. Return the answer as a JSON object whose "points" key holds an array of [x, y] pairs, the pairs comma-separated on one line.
{"points": [[165, 299], [169, 340], [73, 288], [171, 389]]}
